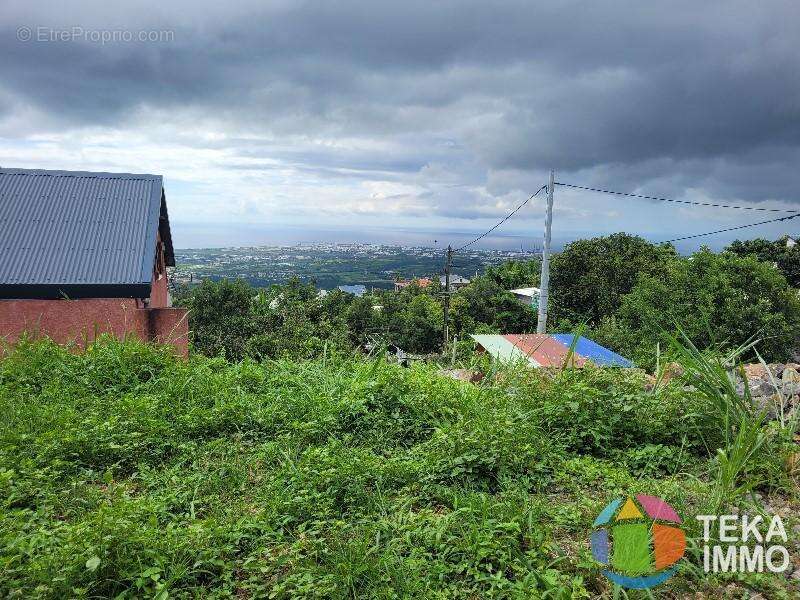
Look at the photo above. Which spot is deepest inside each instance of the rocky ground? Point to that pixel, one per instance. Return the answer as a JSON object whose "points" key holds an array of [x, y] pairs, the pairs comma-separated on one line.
{"points": [[773, 387]]}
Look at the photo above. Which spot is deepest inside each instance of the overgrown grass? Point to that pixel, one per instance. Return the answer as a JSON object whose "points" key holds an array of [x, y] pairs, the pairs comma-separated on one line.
{"points": [[125, 472]]}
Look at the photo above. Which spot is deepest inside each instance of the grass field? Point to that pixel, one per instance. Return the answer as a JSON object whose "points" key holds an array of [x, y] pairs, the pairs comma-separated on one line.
{"points": [[127, 473]]}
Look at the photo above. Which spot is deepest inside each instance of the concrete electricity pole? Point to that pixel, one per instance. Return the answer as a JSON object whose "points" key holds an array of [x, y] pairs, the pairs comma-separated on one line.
{"points": [[446, 306], [541, 324]]}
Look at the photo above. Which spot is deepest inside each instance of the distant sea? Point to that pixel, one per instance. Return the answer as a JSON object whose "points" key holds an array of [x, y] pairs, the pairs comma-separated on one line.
{"points": [[211, 236], [194, 235]]}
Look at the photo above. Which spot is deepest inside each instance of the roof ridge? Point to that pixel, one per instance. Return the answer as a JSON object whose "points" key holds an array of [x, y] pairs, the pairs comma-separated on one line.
{"points": [[65, 173]]}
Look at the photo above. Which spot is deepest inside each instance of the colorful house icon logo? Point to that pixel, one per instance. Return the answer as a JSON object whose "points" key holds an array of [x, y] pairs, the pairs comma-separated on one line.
{"points": [[638, 541]]}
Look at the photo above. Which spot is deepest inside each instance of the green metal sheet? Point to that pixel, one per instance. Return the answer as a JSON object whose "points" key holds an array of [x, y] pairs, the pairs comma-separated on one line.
{"points": [[502, 349]]}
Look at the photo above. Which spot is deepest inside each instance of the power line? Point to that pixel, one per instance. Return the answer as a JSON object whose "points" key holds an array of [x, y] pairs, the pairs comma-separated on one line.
{"points": [[715, 205], [503, 220], [689, 237], [792, 213]]}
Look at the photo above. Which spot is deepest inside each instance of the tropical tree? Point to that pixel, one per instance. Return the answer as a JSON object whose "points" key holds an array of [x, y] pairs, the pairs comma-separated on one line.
{"points": [[590, 277], [219, 317], [515, 274], [419, 326], [716, 299], [485, 303], [778, 253]]}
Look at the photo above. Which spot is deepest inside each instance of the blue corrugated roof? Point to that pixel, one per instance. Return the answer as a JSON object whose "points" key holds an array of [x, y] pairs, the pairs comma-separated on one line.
{"points": [[78, 234], [593, 351]]}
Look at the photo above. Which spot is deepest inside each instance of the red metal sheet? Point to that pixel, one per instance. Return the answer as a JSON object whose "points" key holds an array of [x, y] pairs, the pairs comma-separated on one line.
{"points": [[544, 349]]}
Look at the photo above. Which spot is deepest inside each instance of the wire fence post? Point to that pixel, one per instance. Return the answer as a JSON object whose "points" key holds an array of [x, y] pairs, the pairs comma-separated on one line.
{"points": [[541, 324]]}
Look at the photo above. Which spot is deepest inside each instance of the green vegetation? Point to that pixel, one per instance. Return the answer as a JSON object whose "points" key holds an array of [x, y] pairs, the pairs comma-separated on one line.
{"points": [[631, 294], [719, 299], [786, 258], [125, 472], [590, 277], [279, 462], [628, 293], [232, 319]]}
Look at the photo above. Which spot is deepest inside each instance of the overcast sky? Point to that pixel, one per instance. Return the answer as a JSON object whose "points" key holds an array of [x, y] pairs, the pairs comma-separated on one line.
{"points": [[414, 120]]}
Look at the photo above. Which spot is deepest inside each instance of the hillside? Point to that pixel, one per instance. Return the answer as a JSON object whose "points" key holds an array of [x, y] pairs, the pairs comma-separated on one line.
{"points": [[327, 265], [127, 473]]}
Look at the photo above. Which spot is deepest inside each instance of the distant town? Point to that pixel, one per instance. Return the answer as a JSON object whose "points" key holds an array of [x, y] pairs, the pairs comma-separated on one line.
{"points": [[330, 265]]}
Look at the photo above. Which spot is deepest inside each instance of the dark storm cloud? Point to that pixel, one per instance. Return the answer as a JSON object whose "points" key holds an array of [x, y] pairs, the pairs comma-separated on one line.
{"points": [[672, 97]]}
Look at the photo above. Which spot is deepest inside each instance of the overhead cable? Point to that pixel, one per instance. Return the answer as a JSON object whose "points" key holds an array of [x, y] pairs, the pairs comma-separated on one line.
{"points": [[689, 237], [660, 199], [503, 220]]}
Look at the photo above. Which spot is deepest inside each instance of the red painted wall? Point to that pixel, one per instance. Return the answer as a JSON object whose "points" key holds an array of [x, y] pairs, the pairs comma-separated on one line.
{"points": [[80, 321], [159, 292]]}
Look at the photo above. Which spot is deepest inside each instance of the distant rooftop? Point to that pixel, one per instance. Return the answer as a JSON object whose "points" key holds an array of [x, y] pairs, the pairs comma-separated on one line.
{"points": [[532, 292], [421, 282], [454, 280]]}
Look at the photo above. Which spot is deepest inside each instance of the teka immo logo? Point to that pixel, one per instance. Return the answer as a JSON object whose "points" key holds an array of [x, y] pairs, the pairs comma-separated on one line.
{"points": [[639, 541]]}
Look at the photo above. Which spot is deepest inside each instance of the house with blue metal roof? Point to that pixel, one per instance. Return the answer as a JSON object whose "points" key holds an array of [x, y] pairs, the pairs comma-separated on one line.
{"points": [[85, 252]]}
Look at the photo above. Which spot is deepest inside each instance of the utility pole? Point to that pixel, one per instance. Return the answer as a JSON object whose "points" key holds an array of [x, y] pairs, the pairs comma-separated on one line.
{"points": [[541, 324], [446, 304]]}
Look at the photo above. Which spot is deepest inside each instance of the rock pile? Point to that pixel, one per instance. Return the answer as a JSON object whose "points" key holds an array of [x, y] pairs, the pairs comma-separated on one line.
{"points": [[776, 390]]}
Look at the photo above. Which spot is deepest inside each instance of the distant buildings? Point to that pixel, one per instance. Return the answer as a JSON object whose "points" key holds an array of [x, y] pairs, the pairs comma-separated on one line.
{"points": [[85, 254], [422, 282], [356, 290], [456, 282], [528, 295], [329, 265]]}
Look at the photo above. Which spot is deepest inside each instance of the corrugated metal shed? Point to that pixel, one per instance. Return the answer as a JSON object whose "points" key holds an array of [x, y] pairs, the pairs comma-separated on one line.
{"points": [[548, 350], [80, 234]]}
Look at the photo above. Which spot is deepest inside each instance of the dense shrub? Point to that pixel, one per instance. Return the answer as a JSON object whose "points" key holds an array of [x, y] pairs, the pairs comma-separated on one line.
{"points": [[718, 299], [590, 277], [600, 411], [785, 257]]}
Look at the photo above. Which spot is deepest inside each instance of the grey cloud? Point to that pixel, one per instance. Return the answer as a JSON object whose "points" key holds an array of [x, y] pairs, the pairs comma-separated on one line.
{"points": [[674, 98]]}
